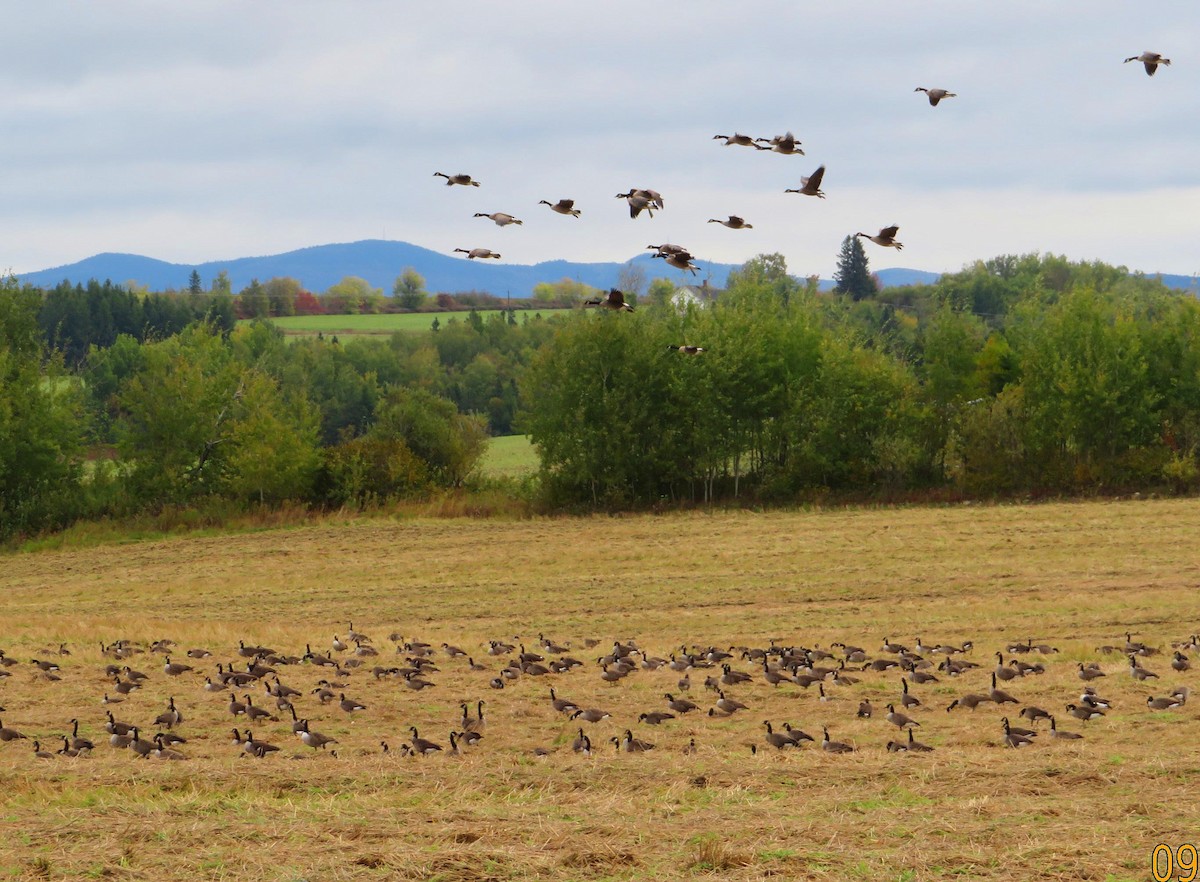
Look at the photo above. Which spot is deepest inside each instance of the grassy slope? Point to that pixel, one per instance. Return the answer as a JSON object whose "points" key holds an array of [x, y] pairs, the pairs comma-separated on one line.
{"points": [[509, 456], [1077, 576], [304, 325]]}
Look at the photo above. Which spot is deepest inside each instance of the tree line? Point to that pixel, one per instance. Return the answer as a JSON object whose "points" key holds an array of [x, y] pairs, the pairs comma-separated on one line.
{"points": [[1018, 375]]}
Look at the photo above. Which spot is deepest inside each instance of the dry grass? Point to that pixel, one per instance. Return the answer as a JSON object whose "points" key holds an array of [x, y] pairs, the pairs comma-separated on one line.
{"points": [[1077, 576]]}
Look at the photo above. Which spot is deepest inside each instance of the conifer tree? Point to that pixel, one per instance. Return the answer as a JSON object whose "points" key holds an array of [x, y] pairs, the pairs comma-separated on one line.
{"points": [[853, 274]]}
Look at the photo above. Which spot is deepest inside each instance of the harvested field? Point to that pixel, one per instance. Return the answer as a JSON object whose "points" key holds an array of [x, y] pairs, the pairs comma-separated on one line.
{"points": [[1074, 576]]}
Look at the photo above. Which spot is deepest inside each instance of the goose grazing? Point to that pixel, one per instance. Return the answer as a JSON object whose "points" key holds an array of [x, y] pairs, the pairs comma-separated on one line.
{"points": [[886, 237], [655, 717], [1151, 60], [1033, 714], [500, 218], [256, 748], [696, 350], [785, 144], [1084, 713], [734, 223], [464, 180], [811, 186], [473, 253], [562, 206], [614, 300], [738, 140], [935, 95], [591, 715], [1089, 673]]}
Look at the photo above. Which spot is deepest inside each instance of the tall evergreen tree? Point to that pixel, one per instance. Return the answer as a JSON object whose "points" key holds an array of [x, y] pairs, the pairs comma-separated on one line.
{"points": [[853, 274], [194, 284]]}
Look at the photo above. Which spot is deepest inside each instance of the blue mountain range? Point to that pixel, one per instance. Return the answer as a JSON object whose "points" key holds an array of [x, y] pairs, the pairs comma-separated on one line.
{"points": [[381, 261]]}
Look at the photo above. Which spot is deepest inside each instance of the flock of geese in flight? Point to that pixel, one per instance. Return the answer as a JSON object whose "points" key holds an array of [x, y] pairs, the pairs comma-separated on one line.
{"points": [[648, 201], [840, 681]]}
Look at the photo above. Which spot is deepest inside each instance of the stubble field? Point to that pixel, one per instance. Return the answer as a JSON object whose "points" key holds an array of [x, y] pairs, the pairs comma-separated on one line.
{"points": [[522, 804]]}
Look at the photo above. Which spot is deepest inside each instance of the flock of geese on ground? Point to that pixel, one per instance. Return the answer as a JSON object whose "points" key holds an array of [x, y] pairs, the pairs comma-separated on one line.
{"points": [[728, 682], [648, 201]]}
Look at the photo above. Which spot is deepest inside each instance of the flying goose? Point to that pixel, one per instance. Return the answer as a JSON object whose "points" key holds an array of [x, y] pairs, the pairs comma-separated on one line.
{"points": [[886, 237], [615, 300], [811, 186], [500, 218], [562, 206], [696, 350], [637, 203], [1151, 60], [738, 140], [785, 144], [667, 248], [734, 223], [935, 95], [464, 180], [474, 253], [680, 260]]}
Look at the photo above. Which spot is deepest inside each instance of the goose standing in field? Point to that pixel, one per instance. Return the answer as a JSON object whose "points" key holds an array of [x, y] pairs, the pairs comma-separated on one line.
{"points": [[811, 186], [785, 144], [174, 669], [935, 95], [1062, 736], [313, 739], [1138, 672], [77, 744], [734, 223], [899, 720], [500, 218], [562, 206], [423, 745], [833, 746], [886, 237], [463, 180], [1013, 739], [1151, 60], [474, 253], [1169, 702], [170, 717]]}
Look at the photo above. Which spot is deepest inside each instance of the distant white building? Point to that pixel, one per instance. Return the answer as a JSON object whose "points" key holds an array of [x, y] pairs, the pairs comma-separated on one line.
{"points": [[695, 295]]}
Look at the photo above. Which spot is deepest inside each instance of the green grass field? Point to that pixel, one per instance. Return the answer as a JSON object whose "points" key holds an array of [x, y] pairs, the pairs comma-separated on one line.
{"points": [[510, 456], [1076, 576], [360, 325]]}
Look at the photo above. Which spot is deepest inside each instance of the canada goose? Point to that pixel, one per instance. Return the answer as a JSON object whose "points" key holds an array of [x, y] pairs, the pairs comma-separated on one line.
{"points": [[1003, 671], [797, 735], [78, 744], [864, 708], [811, 186], [655, 717], [349, 705], [999, 695], [785, 144], [1013, 739], [581, 744], [68, 750], [734, 223], [729, 705], [731, 677], [681, 260], [161, 751], [1063, 736], [1138, 672], [833, 746], [970, 701], [591, 715], [737, 140], [680, 705], [778, 740], [256, 748], [236, 707], [1089, 698], [1089, 673], [886, 237], [139, 745], [174, 669], [667, 248], [1028, 733], [469, 738], [696, 350], [500, 218], [917, 745], [562, 206], [629, 744], [637, 203], [339, 645], [1169, 702], [464, 180], [473, 725], [614, 300], [1084, 713], [562, 705], [7, 734], [124, 687], [170, 717], [39, 753], [199, 653], [474, 253], [48, 666], [313, 739], [935, 95], [1151, 60], [423, 745], [899, 720], [1180, 662], [257, 713], [1033, 714], [907, 700]]}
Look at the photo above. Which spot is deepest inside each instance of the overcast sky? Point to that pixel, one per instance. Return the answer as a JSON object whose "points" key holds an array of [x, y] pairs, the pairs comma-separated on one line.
{"points": [[213, 130]]}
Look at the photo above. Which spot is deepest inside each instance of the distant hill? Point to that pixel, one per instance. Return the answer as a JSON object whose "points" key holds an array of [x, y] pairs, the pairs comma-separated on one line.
{"points": [[380, 261]]}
